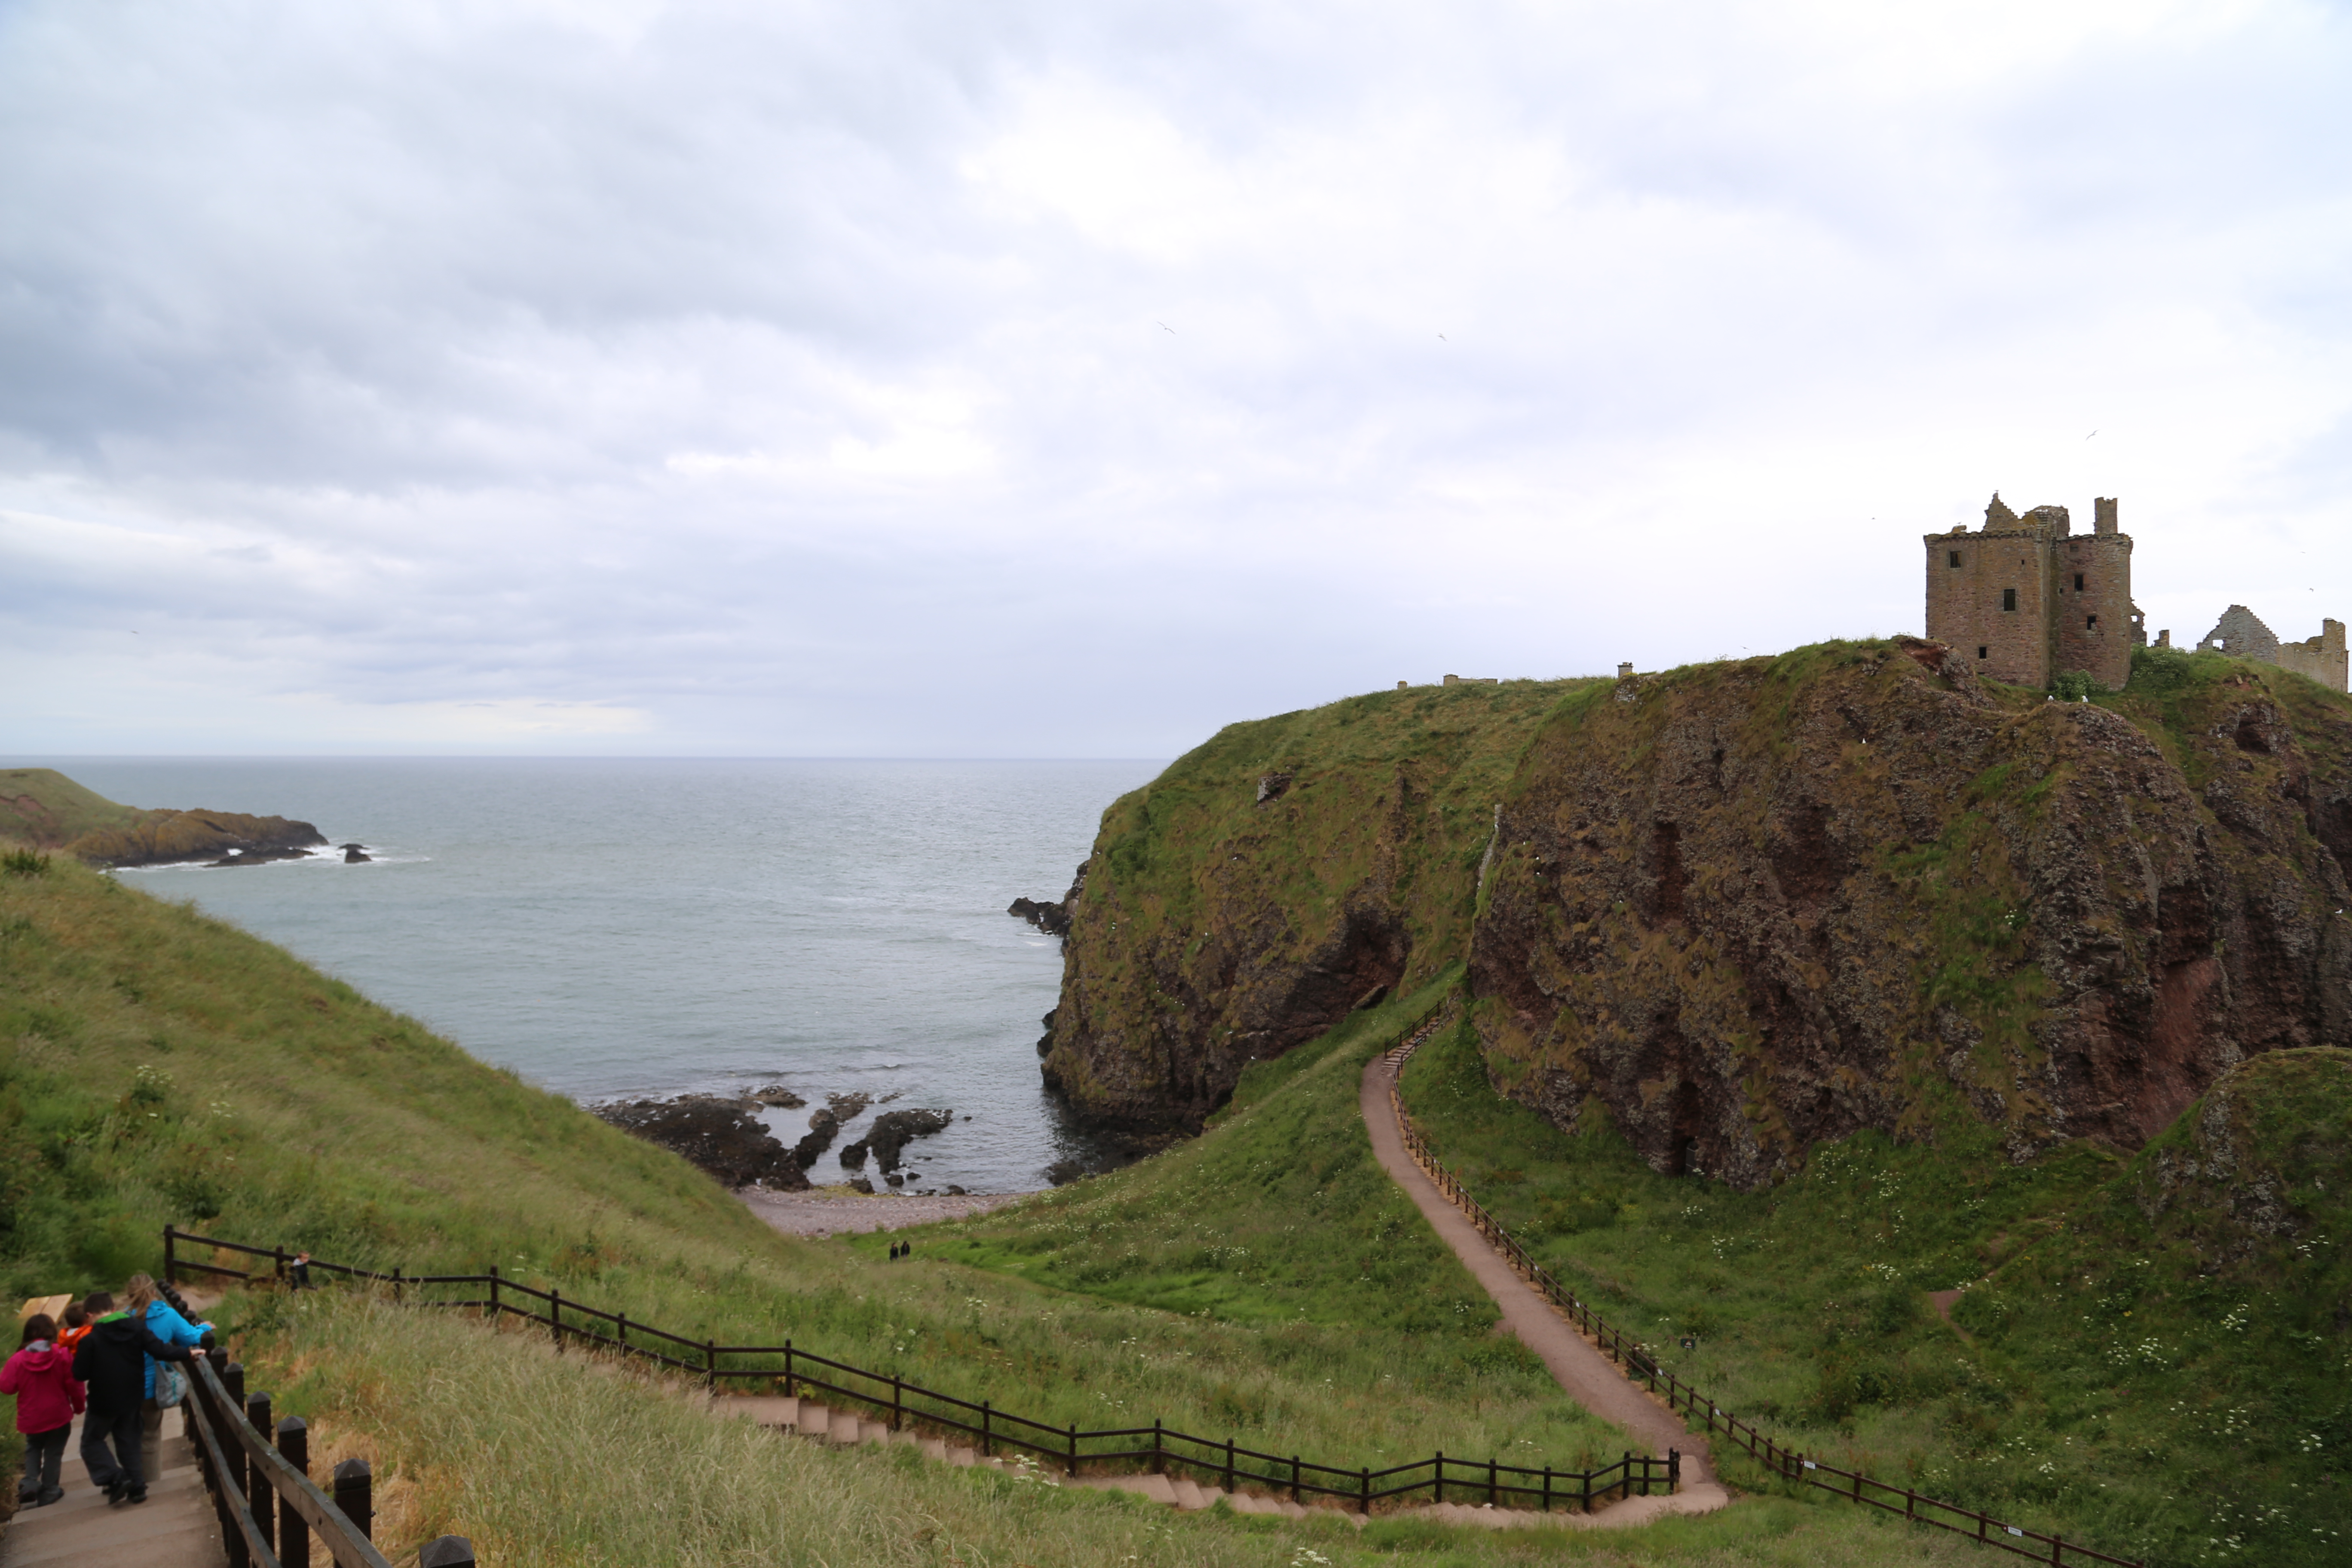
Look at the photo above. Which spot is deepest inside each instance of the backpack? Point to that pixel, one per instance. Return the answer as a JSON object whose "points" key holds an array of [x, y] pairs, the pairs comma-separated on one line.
{"points": [[170, 1383]]}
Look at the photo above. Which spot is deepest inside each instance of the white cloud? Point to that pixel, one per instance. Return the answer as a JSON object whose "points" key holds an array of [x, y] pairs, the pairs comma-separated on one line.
{"points": [[935, 379]]}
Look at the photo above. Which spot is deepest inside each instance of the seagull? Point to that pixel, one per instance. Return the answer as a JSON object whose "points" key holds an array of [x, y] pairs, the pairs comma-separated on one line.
{"points": [[2093, 433], [1441, 337], [1163, 326]]}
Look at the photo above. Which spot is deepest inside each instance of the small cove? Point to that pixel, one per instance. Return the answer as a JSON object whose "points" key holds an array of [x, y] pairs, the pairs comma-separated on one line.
{"points": [[629, 928]]}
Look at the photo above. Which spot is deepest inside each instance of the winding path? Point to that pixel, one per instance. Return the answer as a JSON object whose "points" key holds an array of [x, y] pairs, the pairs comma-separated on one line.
{"points": [[1583, 1371]]}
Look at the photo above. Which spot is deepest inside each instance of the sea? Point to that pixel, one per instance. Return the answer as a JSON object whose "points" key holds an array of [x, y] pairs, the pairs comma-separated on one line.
{"points": [[644, 928]]}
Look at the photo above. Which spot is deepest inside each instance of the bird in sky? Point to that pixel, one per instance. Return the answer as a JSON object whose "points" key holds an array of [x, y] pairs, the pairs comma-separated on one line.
{"points": [[1163, 326]]}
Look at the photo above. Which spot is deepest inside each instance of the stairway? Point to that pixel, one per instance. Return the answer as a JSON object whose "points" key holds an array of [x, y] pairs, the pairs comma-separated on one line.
{"points": [[175, 1527]]}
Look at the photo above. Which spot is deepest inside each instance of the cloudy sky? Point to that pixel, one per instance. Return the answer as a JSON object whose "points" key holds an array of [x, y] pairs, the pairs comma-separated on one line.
{"points": [[900, 379]]}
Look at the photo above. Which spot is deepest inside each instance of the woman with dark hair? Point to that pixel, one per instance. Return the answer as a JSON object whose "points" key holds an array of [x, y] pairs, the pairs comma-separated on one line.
{"points": [[48, 1399]]}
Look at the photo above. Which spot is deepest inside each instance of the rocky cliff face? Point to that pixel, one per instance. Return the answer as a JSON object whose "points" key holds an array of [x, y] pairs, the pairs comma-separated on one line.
{"points": [[1744, 908], [1288, 870]]}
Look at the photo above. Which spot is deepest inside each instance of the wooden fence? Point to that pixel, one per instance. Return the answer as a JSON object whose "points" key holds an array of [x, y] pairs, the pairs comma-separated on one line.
{"points": [[902, 1403], [1643, 1368], [259, 1479]]}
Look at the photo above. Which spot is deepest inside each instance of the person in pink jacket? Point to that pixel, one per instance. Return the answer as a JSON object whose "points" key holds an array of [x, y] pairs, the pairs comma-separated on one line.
{"points": [[48, 1399]]}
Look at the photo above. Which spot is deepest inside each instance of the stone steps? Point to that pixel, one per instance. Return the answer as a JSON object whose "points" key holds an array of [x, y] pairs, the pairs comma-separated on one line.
{"points": [[175, 1525]]}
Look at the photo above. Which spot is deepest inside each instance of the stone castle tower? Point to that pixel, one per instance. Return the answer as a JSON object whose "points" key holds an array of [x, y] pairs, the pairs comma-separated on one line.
{"points": [[2027, 598]]}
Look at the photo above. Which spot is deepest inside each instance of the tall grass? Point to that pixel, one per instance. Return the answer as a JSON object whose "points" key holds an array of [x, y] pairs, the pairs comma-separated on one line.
{"points": [[559, 1461]]}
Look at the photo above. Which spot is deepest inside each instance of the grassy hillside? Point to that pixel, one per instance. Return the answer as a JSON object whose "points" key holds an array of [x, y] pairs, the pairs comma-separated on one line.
{"points": [[156, 1065], [159, 1066], [42, 807], [2149, 1353], [540, 1460]]}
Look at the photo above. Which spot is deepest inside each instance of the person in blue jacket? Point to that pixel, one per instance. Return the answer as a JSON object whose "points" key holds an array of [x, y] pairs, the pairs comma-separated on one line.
{"points": [[147, 1303]]}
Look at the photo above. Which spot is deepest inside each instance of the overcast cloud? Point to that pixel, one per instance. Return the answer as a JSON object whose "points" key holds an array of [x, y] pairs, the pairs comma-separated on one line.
{"points": [[943, 379]]}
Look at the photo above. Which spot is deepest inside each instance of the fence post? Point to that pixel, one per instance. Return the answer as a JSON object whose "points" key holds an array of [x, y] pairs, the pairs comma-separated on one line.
{"points": [[622, 1319], [1547, 1492], [1364, 1493], [356, 1495], [1625, 1475], [257, 1490], [1073, 1449], [987, 1438], [899, 1406], [788, 1369], [711, 1369], [1491, 1476], [1229, 1466], [494, 1292], [449, 1552], [1674, 1470], [1294, 1479], [170, 1258], [1159, 1460], [554, 1316], [293, 1531], [1437, 1485], [233, 1380], [396, 1284]]}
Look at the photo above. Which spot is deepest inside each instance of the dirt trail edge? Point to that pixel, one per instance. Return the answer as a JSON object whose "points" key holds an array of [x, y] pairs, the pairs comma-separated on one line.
{"points": [[1583, 1372]]}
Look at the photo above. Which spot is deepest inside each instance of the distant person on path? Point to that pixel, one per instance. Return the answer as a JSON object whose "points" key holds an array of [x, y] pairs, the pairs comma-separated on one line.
{"points": [[300, 1271], [48, 1399], [115, 1361], [170, 1327]]}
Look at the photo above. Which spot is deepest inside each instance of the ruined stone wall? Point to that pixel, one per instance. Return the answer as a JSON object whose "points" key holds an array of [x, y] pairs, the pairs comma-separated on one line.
{"points": [[2320, 658]]}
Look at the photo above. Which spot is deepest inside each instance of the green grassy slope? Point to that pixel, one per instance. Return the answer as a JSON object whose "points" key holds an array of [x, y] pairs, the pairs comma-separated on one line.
{"points": [[540, 1460], [2160, 1386], [1278, 1219], [42, 807], [159, 1066]]}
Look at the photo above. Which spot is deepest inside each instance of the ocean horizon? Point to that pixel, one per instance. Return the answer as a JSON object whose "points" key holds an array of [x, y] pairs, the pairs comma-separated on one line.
{"points": [[626, 928]]}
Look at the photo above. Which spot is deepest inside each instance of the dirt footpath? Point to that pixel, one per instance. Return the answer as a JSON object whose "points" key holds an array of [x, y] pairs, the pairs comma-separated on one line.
{"points": [[825, 1212], [1583, 1372]]}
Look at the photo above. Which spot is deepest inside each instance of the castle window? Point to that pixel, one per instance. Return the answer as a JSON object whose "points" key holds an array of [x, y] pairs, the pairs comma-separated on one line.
{"points": [[1953, 556], [2090, 622], [2008, 598], [2078, 582], [1982, 651]]}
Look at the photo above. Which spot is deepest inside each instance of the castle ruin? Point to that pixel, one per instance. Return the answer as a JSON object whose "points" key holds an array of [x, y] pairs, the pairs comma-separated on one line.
{"points": [[2242, 634], [2028, 598]]}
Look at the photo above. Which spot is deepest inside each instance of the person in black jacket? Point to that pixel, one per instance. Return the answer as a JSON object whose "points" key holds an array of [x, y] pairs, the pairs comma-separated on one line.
{"points": [[111, 1360]]}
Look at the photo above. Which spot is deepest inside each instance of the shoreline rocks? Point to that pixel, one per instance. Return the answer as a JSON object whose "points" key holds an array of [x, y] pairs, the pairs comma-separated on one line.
{"points": [[891, 1132], [720, 1136]]}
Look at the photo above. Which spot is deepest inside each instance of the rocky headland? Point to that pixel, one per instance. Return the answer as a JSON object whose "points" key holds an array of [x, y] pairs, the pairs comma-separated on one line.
{"points": [[1744, 907], [42, 807]]}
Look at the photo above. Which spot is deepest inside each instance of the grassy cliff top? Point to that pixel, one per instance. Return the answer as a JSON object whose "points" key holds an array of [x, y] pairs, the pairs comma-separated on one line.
{"points": [[42, 807]]}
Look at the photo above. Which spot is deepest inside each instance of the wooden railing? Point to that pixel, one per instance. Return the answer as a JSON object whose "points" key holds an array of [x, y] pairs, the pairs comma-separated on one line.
{"points": [[904, 1404], [258, 1476], [1643, 1368]]}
